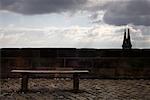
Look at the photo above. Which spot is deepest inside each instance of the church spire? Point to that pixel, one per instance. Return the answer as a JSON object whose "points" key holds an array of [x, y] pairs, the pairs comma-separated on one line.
{"points": [[128, 33], [129, 40], [124, 35], [126, 41]]}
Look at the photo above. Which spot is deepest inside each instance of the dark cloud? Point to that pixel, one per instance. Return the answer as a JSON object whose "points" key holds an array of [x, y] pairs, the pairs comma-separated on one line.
{"points": [[117, 12], [135, 12], [31, 7]]}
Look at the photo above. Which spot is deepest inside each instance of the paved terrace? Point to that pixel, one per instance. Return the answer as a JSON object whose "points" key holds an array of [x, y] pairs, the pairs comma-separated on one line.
{"points": [[91, 89]]}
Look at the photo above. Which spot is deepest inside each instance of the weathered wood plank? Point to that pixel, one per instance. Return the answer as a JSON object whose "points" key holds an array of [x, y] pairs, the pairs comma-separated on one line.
{"points": [[50, 71]]}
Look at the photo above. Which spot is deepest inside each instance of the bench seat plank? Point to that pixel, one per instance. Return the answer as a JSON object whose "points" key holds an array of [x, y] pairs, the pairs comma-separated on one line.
{"points": [[51, 71]]}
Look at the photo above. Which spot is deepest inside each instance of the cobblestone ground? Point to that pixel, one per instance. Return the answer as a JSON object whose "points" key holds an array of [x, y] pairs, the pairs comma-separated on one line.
{"points": [[90, 89]]}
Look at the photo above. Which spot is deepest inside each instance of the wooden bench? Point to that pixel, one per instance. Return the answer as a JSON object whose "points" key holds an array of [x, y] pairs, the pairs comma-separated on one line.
{"points": [[26, 73]]}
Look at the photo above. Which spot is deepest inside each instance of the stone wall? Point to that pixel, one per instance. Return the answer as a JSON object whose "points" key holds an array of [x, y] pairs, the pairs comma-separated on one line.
{"points": [[102, 63]]}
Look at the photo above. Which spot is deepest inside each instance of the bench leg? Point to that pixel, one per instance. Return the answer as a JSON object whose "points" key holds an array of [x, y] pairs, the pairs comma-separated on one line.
{"points": [[24, 83], [75, 82]]}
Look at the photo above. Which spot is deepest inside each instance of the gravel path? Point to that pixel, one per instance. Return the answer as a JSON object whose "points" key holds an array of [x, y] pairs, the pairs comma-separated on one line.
{"points": [[90, 89]]}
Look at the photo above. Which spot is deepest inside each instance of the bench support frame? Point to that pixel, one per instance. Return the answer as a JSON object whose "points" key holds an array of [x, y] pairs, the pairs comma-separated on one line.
{"points": [[24, 82], [75, 82]]}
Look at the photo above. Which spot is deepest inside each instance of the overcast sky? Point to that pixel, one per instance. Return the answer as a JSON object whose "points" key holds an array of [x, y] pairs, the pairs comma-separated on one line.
{"points": [[74, 23]]}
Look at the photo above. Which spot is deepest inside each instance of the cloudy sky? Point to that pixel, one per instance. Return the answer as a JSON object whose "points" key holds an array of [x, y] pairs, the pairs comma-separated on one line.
{"points": [[74, 23]]}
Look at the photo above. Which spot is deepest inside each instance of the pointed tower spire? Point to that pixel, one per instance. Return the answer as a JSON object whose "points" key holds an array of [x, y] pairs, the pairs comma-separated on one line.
{"points": [[126, 41], [124, 34], [128, 34], [129, 40]]}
